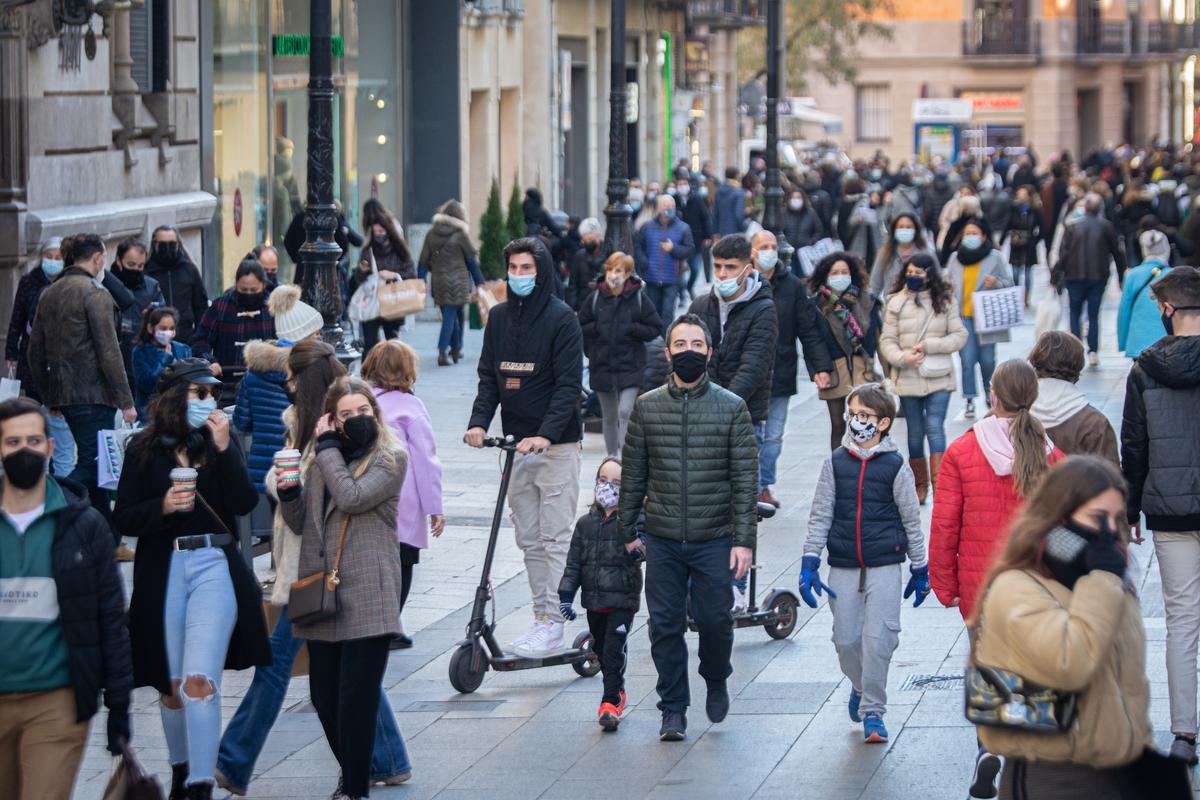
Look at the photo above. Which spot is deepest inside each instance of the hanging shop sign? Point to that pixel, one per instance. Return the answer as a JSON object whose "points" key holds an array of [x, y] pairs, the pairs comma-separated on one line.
{"points": [[295, 44]]}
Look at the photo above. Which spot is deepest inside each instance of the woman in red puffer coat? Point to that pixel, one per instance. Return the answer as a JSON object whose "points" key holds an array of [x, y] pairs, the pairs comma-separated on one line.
{"points": [[985, 475]]}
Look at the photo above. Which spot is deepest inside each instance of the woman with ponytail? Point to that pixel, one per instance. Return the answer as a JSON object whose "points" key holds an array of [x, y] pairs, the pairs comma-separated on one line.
{"points": [[985, 476]]}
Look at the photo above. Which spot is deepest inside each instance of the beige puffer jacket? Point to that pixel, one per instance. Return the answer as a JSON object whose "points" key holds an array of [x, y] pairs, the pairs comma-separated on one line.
{"points": [[285, 543], [902, 324], [1090, 641]]}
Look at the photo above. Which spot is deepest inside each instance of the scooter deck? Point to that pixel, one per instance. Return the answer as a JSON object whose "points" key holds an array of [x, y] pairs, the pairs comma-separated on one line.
{"points": [[512, 663]]}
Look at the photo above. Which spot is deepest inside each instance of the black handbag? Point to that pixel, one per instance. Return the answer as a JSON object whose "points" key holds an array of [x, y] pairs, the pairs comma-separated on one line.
{"points": [[998, 698], [314, 597]]}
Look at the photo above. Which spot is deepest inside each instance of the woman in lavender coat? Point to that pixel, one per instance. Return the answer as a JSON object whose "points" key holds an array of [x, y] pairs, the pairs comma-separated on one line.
{"points": [[392, 367]]}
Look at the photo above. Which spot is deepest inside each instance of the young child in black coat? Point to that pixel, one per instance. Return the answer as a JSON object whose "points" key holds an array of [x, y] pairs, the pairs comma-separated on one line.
{"points": [[610, 577]]}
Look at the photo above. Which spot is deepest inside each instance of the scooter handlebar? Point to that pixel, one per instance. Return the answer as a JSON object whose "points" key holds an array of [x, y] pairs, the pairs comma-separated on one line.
{"points": [[505, 443]]}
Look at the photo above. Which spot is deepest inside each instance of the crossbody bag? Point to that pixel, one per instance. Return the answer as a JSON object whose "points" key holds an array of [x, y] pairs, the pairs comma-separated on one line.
{"points": [[314, 597]]}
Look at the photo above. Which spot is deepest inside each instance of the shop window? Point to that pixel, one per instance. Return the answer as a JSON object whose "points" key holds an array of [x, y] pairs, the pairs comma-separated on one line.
{"points": [[873, 112]]}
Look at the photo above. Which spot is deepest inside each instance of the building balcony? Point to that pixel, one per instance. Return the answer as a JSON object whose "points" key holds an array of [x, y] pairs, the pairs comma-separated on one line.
{"points": [[1001, 39], [1161, 38], [727, 13], [1187, 37], [1102, 38], [478, 12]]}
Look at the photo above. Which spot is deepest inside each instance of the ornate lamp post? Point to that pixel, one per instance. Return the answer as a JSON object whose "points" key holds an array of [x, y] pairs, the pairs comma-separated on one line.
{"points": [[320, 253], [619, 232], [773, 209]]}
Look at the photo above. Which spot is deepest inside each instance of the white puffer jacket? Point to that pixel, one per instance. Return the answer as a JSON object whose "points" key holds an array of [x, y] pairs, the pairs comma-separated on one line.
{"points": [[906, 315]]}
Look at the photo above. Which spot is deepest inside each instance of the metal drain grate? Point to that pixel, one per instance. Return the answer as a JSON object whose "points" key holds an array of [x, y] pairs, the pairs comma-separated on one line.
{"points": [[932, 683]]}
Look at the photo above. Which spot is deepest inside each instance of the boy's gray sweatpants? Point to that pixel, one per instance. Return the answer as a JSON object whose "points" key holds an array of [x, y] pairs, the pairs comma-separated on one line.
{"points": [[866, 629]]}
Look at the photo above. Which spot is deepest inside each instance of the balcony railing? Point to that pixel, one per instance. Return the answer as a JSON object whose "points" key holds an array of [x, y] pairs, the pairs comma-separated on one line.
{"points": [[727, 13], [1160, 37], [1102, 37], [1001, 37], [1187, 36]]}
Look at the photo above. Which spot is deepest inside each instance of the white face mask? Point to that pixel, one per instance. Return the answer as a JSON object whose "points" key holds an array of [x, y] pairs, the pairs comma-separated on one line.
{"points": [[767, 259], [796, 204]]}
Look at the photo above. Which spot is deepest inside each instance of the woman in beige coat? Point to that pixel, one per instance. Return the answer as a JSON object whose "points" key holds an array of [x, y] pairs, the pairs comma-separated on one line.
{"points": [[346, 513], [1058, 610], [921, 330]]}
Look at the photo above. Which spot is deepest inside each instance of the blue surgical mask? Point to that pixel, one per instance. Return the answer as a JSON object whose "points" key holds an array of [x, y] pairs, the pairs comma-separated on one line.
{"points": [[51, 267], [521, 285], [728, 288], [905, 235], [972, 241], [838, 283], [198, 411], [667, 215], [767, 259]]}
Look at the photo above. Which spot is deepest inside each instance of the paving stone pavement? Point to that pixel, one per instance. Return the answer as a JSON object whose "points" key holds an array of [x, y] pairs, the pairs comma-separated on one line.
{"points": [[533, 734]]}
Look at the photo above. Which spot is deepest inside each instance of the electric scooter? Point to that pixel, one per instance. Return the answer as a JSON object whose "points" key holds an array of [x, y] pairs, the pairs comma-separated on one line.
{"points": [[777, 615], [480, 651]]}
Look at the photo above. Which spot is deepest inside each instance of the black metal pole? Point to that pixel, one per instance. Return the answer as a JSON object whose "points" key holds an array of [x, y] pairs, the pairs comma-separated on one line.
{"points": [[320, 253], [619, 232], [773, 209]]}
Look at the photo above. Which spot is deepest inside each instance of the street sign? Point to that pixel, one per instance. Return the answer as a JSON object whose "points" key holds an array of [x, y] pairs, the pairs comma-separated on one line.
{"points": [[950, 109], [295, 44], [631, 102]]}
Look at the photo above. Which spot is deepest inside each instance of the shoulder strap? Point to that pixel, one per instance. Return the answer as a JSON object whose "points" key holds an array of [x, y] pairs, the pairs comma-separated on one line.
{"points": [[1154, 273], [337, 554], [214, 514]]}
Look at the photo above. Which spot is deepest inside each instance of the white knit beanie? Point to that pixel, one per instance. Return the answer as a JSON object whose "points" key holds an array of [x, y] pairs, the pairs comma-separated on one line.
{"points": [[295, 321]]}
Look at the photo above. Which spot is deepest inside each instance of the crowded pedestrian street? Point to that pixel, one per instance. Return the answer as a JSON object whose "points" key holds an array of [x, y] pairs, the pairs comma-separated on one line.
{"points": [[533, 734]]}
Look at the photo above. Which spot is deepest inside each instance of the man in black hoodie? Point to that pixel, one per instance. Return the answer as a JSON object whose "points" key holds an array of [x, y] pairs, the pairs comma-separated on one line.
{"points": [[182, 286], [531, 367], [1159, 432]]}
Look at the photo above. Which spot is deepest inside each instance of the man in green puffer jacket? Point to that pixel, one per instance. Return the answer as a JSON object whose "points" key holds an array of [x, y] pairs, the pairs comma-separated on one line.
{"points": [[691, 462]]}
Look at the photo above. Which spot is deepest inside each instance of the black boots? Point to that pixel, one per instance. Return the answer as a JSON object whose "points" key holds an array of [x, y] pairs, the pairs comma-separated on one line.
{"points": [[456, 355], [179, 773], [200, 791], [443, 359]]}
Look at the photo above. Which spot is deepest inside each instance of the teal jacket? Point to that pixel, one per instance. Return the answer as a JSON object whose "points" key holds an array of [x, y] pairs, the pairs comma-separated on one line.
{"points": [[1138, 321]]}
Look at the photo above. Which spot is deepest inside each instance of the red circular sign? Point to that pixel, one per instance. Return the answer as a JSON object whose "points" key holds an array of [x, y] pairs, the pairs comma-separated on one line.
{"points": [[237, 213]]}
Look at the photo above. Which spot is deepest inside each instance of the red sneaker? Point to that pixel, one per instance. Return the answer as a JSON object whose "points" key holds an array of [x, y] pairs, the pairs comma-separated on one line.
{"points": [[610, 715]]}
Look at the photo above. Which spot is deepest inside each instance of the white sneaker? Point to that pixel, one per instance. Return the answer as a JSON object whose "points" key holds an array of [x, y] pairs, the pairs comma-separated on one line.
{"points": [[1093, 359], [517, 644], [741, 600], [547, 641]]}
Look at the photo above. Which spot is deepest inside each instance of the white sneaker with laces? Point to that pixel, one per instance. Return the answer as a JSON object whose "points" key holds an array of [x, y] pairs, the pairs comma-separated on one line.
{"points": [[741, 600], [516, 645], [547, 641]]}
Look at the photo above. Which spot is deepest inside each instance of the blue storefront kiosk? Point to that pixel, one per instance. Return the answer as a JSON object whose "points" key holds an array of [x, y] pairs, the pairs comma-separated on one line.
{"points": [[938, 126]]}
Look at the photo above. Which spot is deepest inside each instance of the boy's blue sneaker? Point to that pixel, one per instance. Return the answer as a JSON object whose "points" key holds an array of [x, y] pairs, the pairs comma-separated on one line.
{"points": [[873, 730], [855, 699]]}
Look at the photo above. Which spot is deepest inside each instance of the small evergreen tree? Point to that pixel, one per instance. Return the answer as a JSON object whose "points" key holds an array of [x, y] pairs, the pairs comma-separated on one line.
{"points": [[515, 224], [492, 236]]}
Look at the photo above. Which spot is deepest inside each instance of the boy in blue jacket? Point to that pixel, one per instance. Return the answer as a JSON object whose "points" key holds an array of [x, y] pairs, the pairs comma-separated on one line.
{"points": [[865, 512]]}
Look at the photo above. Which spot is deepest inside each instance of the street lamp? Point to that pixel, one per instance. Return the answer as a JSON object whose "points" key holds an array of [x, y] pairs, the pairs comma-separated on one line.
{"points": [[773, 208], [618, 234], [320, 253]]}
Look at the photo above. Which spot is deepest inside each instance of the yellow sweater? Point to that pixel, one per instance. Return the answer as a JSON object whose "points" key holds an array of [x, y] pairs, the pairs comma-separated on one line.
{"points": [[970, 279]]}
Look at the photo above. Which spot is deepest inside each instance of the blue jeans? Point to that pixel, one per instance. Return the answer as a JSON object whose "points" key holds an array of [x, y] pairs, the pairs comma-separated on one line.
{"points": [[62, 463], [662, 297], [1091, 293], [675, 572], [85, 422], [247, 731], [769, 437], [451, 335], [972, 354], [199, 613], [925, 418]]}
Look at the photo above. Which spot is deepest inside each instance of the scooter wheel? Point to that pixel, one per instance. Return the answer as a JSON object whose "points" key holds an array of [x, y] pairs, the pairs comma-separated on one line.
{"points": [[784, 606], [590, 666], [463, 677]]}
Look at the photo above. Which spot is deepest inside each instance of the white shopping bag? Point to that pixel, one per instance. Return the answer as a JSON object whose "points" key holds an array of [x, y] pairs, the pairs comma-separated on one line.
{"points": [[10, 387], [110, 453], [1049, 314]]}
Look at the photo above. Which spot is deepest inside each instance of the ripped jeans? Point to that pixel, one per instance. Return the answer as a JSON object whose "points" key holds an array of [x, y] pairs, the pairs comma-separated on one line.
{"points": [[198, 618]]}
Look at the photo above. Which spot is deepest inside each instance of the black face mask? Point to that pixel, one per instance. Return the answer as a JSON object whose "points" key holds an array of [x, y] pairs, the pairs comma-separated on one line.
{"points": [[133, 279], [689, 365], [359, 434], [381, 239], [1168, 322], [591, 247], [167, 253], [249, 301], [24, 468]]}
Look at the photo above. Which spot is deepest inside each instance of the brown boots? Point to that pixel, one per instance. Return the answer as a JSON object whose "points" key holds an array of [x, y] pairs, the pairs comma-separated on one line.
{"points": [[935, 463], [921, 470]]}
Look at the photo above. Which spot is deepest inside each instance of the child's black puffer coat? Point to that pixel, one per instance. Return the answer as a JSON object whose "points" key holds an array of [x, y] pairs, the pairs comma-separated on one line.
{"points": [[599, 566]]}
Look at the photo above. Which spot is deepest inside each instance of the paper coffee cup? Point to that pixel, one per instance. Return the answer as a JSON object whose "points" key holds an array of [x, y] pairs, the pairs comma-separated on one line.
{"points": [[183, 479], [287, 464]]}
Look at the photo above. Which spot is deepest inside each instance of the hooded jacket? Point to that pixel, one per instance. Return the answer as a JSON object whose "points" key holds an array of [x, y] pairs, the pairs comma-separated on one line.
{"points": [[616, 327], [1139, 323], [1159, 428], [531, 365], [444, 254], [182, 287], [744, 333], [973, 503], [598, 565], [261, 400], [1075, 426], [797, 318]]}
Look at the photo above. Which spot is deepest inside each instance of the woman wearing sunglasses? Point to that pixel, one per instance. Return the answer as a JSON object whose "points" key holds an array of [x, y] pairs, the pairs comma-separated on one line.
{"points": [[196, 607]]}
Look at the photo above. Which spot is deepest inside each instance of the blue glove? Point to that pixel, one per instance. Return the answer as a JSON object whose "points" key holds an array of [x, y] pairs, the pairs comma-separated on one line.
{"points": [[565, 606], [810, 580], [919, 583]]}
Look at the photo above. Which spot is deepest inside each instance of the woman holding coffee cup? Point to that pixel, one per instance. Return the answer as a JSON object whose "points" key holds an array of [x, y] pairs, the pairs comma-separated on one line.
{"points": [[348, 503], [196, 607]]}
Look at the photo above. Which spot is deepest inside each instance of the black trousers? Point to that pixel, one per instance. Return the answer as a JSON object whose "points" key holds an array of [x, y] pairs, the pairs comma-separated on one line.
{"points": [[371, 329], [670, 566], [609, 630], [344, 681]]}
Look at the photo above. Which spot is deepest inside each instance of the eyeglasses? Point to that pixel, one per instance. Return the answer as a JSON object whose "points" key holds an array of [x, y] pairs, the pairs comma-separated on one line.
{"points": [[205, 392], [862, 416]]}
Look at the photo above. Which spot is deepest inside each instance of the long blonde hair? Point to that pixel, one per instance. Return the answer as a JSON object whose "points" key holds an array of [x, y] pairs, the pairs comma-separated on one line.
{"points": [[1015, 384], [386, 444]]}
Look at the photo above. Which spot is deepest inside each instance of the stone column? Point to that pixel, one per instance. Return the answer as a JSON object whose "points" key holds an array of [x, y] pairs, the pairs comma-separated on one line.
{"points": [[14, 153], [123, 82]]}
